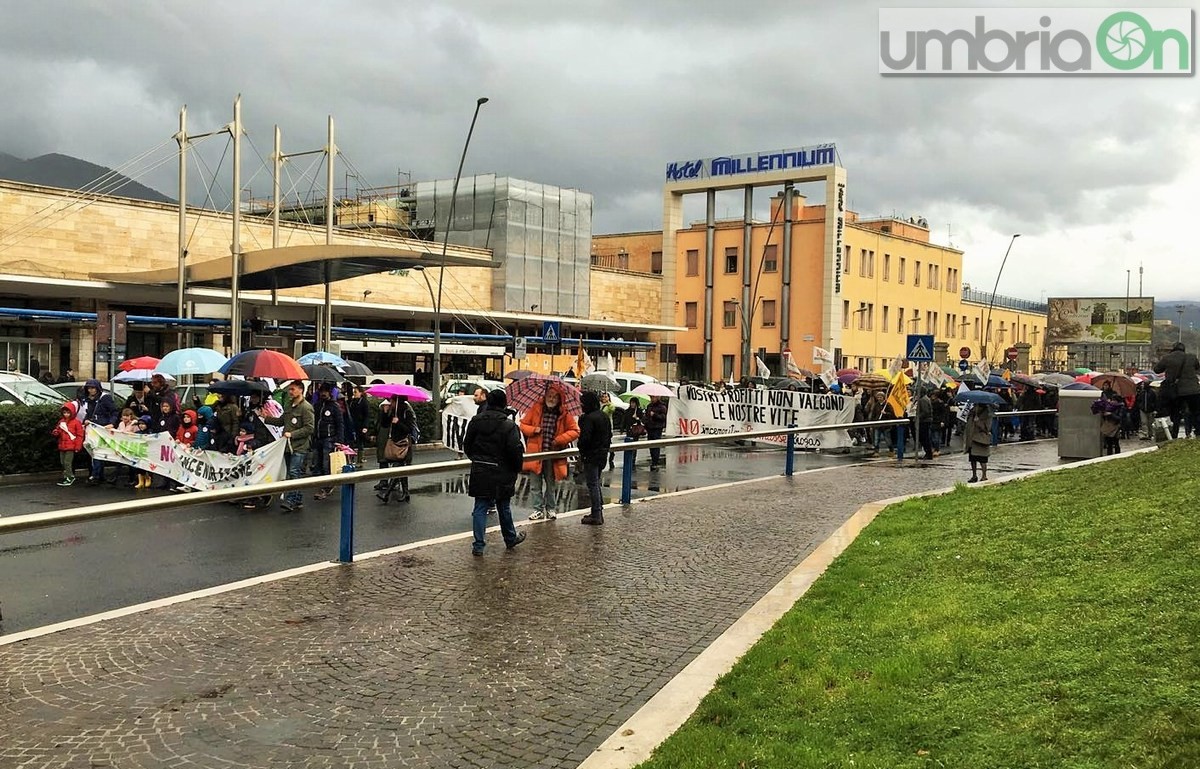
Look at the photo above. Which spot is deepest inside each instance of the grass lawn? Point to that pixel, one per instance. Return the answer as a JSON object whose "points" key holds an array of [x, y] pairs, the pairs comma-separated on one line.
{"points": [[1051, 622]]}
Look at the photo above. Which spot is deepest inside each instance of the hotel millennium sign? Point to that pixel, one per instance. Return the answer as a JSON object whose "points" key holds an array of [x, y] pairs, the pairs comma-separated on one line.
{"points": [[773, 160]]}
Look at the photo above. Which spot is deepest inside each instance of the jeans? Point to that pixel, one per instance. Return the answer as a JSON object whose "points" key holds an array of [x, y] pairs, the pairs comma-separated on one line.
{"points": [[592, 474], [545, 488], [479, 516], [655, 454], [295, 470]]}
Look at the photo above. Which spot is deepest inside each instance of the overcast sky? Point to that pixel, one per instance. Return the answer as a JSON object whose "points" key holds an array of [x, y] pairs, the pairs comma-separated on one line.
{"points": [[1099, 174]]}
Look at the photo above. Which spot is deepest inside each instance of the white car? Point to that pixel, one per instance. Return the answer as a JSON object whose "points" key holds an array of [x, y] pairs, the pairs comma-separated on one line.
{"points": [[19, 389], [468, 387]]}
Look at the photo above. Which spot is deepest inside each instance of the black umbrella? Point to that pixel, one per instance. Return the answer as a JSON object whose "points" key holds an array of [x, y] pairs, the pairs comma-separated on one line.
{"points": [[356, 368], [319, 373], [599, 383], [238, 387]]}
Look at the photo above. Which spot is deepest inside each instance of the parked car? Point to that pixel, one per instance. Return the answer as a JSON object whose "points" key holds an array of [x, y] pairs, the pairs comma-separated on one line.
{"points": [[70, 390], [468, 386], [628, 380], [19, 389]]}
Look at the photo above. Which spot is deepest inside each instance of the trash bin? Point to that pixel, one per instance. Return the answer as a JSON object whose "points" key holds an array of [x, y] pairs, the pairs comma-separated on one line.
{"points": [[1078, 428]]}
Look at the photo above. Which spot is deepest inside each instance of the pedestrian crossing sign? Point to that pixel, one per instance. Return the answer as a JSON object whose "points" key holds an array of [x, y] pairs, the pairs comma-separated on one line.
{"points": [[919, 348], [552, 332]]}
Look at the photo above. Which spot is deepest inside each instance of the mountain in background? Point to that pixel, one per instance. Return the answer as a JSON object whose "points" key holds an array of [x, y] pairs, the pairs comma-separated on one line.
{"points": [[55, 170]]}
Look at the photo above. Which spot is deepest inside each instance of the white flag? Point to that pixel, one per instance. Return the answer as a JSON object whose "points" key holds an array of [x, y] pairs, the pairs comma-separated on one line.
{"points": [[935, 375], [609, 365], [790, 362], [983, 371], [896, 366], [821, 355], [763, 371]]}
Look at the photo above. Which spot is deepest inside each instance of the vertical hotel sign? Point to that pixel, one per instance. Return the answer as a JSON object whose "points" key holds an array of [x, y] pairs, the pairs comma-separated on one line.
{"points": [[838, 231]]}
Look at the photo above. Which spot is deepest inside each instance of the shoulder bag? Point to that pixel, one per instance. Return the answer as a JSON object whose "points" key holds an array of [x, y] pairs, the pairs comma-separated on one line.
{"points": [[397, 451]]}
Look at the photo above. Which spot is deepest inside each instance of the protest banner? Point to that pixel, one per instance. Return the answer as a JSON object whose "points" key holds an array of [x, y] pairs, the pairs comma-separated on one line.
{"points": [[161, 454], [455, 417], [697, 411]]}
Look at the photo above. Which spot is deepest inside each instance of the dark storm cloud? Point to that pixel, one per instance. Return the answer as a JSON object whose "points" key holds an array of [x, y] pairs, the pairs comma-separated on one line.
{"points": [[598, 96]]}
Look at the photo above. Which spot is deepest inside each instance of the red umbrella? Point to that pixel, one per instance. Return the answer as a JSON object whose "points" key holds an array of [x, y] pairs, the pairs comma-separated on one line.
{"points": [[145, 361], [524, 393], [264, 363], [412, 392]]}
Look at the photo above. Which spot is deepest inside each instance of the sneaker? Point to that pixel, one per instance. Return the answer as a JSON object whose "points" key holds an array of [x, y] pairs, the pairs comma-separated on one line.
{"points": [[510, 545], [66, 482], [551, 515], [477, 551], [538, 515]]}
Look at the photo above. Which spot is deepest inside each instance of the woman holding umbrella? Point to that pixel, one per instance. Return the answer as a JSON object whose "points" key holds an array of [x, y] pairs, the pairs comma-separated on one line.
{"points": [[399, 421], [547, 426], [977, 439]]}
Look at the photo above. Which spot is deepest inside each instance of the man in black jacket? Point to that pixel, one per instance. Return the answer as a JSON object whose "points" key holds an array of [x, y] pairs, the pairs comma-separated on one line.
{"points": [[1180, 389], [595, 436], [493, 444], [327, 430]]}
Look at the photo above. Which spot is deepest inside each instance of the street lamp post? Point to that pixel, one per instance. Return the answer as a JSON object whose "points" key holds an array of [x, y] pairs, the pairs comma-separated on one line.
{"points": [[435, 384], [1179, 309], [983, 344]]}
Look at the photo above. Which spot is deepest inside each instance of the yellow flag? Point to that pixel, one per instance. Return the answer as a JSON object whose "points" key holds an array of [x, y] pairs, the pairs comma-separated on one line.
{"points": [[897, 397]]}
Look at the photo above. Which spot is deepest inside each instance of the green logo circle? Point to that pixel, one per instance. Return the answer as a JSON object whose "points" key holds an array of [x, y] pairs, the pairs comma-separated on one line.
{"points": [[1124, 40]]}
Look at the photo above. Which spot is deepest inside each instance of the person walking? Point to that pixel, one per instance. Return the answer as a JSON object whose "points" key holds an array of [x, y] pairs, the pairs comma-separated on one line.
{"points": [[1180, 389], [493, 444], [402, 424], [977, 440], [359, 411], [609, 410], [327, 431], [297, 421], [595, 437], [925, 424], [656, 423], [547, 427]]}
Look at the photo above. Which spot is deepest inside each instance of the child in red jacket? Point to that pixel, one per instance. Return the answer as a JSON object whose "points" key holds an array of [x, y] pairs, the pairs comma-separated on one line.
{"points": [[70, 440]]}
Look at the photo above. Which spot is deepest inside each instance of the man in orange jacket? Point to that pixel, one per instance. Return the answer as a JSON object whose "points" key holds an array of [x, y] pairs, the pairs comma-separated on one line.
{"points": [[547, 427]]}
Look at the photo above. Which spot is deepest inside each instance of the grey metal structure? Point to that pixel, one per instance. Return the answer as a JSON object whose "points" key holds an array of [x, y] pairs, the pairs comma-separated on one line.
{"points": [[540, 234]]}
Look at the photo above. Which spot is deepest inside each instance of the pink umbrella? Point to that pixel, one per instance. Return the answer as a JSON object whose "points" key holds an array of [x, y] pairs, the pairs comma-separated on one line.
{"points": [[412, 392], [654, 388]]}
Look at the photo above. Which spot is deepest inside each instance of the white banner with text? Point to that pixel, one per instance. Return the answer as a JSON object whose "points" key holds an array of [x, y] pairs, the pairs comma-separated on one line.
{"points": [[697, 411]]}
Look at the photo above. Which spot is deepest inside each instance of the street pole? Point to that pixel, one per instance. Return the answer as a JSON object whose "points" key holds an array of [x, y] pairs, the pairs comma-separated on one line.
{"points": [[181, 278], [435, 384], [235, 249], [987, 326], [1125, 351]]}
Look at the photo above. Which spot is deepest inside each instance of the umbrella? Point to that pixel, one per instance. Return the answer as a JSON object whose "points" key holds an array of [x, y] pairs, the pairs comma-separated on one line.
{"points": [[1055, 379], [140, 375], [979, 396], [239, 387], [1121, 383], [319, 357], [848, 372], [873, 382], [1081, 370], [321, 373], [518, 374], [1025, 379], [654, 388], [599, 383], [263, 363], [145, 361], [527, 391], [1079, 386], [630, 397], [412, 392], [357, 368], [998, 382], [191, 360]]}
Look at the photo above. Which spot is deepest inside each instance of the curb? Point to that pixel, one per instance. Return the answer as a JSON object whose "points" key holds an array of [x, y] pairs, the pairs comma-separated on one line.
{"points": [[635, 740]]}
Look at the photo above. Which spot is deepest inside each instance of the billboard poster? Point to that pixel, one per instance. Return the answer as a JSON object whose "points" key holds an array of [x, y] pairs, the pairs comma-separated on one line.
{"points": [[1100, 320]]}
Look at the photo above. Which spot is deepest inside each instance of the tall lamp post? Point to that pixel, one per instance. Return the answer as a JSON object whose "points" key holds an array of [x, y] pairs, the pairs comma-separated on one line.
{"points": [[435, 384], [987, 326]]}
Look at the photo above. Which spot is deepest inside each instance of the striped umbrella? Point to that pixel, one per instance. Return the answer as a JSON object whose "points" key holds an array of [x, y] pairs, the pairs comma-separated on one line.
{"points": [[263, 363]]}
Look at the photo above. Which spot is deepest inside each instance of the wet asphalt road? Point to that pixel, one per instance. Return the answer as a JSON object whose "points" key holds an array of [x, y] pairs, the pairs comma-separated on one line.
{"points": [[62, 573]]}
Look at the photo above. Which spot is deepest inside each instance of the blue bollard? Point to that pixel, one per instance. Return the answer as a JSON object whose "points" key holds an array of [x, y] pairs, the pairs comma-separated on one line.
{"points": [[346, 545], [627, 476], [900, 430], [789, 464]]}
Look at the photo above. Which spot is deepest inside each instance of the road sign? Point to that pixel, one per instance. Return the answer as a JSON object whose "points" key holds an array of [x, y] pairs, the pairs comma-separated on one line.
{"points": [[919, 348], [963, 365], [964, 352], [520, 348], [552, 332], [1011, 353]]}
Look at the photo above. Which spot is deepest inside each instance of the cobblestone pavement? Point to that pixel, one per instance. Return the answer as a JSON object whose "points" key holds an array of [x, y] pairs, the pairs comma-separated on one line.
{"points": [[432, 658]]}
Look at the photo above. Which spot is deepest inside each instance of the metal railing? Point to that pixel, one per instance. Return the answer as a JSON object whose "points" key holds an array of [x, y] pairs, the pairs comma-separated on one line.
{"points": [[350, 477]]}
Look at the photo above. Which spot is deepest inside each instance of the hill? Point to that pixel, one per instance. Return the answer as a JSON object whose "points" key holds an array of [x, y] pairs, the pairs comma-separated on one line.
{"points": [[66, 172]]}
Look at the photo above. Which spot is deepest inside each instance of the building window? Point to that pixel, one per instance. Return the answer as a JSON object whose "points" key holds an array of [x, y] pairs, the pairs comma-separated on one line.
{"points": [[976, 337], [729, 314], [861, 312], [917, 274], [915, 320], [933, 276], [870, 264], [656, 262], [885, 325], [768, 313], [870, 313], [690, 311], [693, 262], [727, 367], [845, 313], [900, 316], [846, 261], [771, 258], [949, 325], [731, 260], [862, 263], [900, 272], [887, 267], [1024, 332]]}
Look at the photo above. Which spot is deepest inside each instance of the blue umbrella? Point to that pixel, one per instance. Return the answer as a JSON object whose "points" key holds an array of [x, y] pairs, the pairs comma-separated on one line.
{"points": [[191, 360], [319, 357], [979, 396], [1079, 386]]}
